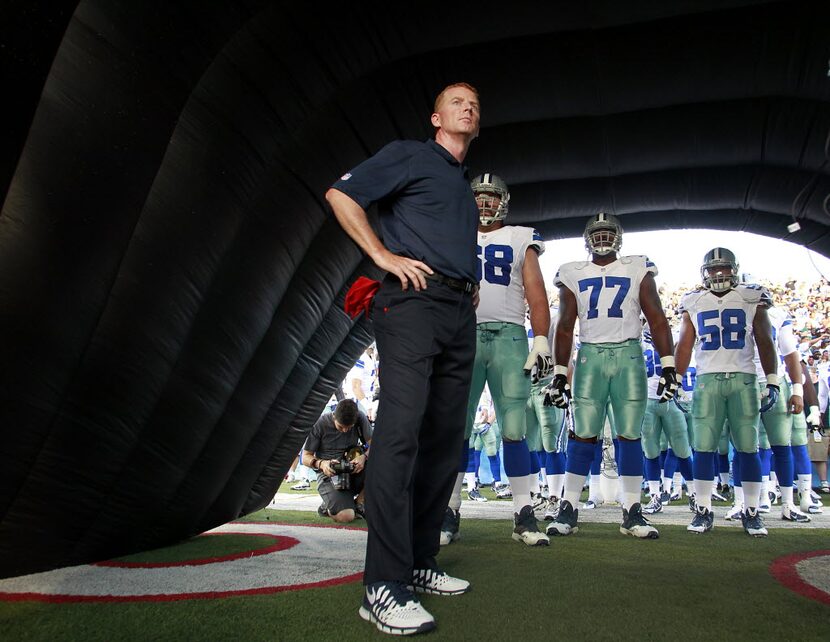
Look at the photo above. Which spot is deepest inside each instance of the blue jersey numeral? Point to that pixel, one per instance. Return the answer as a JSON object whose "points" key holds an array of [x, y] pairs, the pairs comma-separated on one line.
{"points": [[595, 284], [498, 263], [730, 334]]}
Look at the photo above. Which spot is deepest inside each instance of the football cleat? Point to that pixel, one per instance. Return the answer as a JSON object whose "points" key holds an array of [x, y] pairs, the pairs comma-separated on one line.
{"points": [[394, 609], [692, 503], [764, 506], [753, 524], [636, 525], [302, 485], [666, 498], [526, 529], [734, 513], [702, 522], [450, 527], [654, 506], [436, 582], [775, 496], [825, 487], [676, 495], [475, 495], [792, 514], [810, 507], [591, 504], [537, 501], [566, 521], [552, 509], [717, 497], [504, 493]]}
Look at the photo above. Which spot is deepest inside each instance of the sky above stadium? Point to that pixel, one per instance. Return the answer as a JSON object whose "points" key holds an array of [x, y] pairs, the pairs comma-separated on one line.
{"points": [[679, 253]]}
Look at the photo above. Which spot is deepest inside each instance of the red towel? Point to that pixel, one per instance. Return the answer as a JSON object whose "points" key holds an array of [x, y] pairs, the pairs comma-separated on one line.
{"points": [[359, 297]]}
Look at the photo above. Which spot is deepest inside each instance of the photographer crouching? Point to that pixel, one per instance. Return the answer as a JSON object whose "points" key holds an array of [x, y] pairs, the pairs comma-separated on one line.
{"points": [[336, 449]]}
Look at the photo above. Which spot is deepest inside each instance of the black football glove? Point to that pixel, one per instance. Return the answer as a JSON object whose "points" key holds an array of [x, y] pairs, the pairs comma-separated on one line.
{"points": [[558, 392]]}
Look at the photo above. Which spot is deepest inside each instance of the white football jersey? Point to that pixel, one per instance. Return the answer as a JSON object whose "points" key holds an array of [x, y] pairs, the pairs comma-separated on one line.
{"points": [[784, 338], [654, 370], [724, 328], [501, 257], [607, 296]]}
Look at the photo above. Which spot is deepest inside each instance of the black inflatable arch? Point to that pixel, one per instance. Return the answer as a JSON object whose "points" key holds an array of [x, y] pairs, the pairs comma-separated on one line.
{"points": [[171, 283]]}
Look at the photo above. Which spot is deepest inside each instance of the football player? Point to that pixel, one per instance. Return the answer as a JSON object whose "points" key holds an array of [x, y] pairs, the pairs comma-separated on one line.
{"points": [[509, 274], [662, 419], [728, 322], [608, 293]]}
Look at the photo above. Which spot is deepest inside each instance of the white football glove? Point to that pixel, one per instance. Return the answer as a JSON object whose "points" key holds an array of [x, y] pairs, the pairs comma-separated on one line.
{"points": [[814, 416], [539, 362]]}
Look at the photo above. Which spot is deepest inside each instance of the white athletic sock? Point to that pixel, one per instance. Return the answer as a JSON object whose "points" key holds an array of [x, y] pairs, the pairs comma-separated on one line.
{"points": [[804, 485], [533, 480], [573, 488], [594, 488], [471, 480], [667, 484], [724, 478], [690, 486], [704, 488], [555, 485], [763, 495], [654, 487], [521, 492], [739, 495], [630, 485], [677, 482], [752, 493], [786, 495], [455, 498]]}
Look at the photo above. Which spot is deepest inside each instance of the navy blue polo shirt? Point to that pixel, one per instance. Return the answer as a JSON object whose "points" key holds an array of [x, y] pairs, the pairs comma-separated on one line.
{"points": [[427, 209]]}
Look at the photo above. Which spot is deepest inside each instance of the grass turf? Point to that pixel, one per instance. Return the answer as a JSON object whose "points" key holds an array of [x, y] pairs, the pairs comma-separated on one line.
{"points": [[595, 585]]}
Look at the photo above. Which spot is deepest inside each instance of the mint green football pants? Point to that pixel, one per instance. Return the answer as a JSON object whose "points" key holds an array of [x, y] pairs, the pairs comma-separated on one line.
{"points": [[614, 372], [545, 424], [665, 419], [726, 395], [776, 423], [501, 352]]}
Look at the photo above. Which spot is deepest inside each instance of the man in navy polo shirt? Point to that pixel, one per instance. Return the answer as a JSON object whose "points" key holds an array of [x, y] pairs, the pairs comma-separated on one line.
{"points": [[424, 322]]}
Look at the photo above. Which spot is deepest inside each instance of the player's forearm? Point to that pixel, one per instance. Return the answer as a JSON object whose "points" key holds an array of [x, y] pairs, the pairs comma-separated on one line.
{"points": [[355, 222], [768, 355], [564, 345], [540, 319], [792, 364]]}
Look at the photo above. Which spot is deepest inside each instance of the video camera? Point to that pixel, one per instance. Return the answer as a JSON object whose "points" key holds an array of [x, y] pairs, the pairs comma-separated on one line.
{"points": [[342, 469]]}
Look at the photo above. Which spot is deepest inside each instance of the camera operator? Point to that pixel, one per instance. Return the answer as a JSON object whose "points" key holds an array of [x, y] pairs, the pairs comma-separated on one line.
{"points": [[335, 448]]}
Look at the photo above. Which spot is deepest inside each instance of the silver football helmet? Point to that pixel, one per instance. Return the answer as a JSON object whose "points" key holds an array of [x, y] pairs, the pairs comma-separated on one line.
{"points": [[719, 271], [603, 234], [489, 210]]}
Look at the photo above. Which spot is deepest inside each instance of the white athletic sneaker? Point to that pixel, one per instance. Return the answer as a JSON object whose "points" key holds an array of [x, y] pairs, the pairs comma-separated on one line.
{"points": [[654, 506], [591, 504], [792, 514], [435, 582], [394, 609], [734, 513], [504, 492], [450, 527], [552, 509], [302, 485]]}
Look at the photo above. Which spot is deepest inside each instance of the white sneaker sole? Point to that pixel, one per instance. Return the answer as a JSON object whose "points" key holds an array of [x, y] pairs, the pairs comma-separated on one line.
{"points": [[565, 530], [395, 630], [536, 540], [650, 534]]}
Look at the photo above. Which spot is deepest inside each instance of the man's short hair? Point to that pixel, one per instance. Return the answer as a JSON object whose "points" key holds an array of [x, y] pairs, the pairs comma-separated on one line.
{"points": [[346, 412], [444, 91]]}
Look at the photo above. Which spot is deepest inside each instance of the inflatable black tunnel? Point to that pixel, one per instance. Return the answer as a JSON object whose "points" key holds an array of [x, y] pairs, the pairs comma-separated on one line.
{"points": [[171, 282]]}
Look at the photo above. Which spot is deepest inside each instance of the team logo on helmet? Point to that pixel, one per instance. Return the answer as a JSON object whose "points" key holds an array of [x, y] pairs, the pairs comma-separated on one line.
{"points": [[603, 234], [719, 271], [492, 198]]}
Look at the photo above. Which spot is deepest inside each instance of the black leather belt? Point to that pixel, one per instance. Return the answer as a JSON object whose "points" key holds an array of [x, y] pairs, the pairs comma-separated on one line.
{"points": [[455, 284]]}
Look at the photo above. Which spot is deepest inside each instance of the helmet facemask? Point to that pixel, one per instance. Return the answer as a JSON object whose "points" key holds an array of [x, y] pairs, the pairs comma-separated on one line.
{"points": [[603, 234], [492, 198], [719, 271]]}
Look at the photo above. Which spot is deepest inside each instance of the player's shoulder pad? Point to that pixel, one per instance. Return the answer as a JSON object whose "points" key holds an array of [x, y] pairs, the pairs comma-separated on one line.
{"points": [[752, 293]]}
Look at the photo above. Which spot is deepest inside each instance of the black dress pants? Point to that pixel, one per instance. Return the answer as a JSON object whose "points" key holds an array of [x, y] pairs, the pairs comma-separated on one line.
{"points": [[426, 344]]}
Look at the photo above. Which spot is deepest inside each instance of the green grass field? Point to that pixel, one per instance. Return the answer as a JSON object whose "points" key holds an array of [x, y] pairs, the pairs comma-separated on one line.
{"points": [[596, 585]]}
